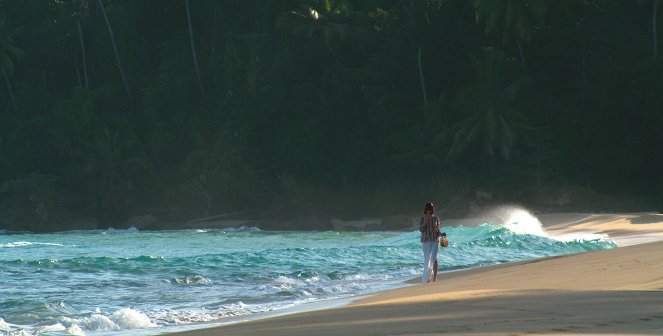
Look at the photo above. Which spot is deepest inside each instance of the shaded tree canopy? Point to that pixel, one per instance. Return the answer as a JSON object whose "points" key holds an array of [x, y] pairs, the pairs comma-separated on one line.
{"points": [[112, 109]]}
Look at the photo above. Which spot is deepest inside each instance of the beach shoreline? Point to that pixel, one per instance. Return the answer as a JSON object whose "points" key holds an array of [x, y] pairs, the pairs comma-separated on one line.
{"points": [[615, 291]]}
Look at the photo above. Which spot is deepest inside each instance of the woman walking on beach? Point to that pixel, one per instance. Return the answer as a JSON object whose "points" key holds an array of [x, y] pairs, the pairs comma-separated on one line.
{"points": [[429, 226]]}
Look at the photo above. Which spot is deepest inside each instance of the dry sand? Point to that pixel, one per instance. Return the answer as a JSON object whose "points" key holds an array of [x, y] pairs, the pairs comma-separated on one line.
{"points": [[609, 292]]}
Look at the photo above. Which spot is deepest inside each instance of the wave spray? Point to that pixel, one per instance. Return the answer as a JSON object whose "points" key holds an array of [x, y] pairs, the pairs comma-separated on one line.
{"points": [[516, 219]]}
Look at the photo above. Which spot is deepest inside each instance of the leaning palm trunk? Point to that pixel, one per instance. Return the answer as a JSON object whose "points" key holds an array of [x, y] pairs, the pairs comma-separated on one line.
{"points": [[80, 36], [421, 78], [193, 47], [419, 66], [9, 88], [117, 55], [522, 56]]}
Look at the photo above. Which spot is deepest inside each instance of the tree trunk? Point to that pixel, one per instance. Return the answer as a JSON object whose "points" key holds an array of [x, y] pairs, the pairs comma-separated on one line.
{"points": [[117, 55], [78, 72], [80, 37], [522, 56], [422, 82], [421, 78], [584, 75], [9, 88], [193, 47], [654, 35]]}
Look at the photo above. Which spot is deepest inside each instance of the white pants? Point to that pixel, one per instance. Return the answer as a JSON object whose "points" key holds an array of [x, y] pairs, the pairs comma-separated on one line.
{"points": [[430, 255]]}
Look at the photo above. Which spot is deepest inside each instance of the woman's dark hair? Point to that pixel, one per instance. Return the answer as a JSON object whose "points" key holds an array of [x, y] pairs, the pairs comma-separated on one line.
{"points": [[429, 206]]}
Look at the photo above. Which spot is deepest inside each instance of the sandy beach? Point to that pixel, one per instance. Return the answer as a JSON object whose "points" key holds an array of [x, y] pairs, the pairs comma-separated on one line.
{"points": [[608, 292]]}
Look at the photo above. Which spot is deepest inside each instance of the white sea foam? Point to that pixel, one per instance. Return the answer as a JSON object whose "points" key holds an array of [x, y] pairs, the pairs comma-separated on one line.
{"points": [[94, 322], [25, 243], [75, 330], [15, 329], [190, 280], [516, 220], [579, 237], [127, 318], [173, 317], [242, 228], [51, 328], [4, 326], [123, 319], [313, 280], [521, 221], [74, 323], [16, 244], [287, 283], [358, 277], [116, 231]]}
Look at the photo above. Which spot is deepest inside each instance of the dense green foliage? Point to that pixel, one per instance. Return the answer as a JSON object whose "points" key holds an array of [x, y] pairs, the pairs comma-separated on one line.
{"points": [[337, 108]]}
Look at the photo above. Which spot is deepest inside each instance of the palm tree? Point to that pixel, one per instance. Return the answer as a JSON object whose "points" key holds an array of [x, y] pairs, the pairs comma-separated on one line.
{"points": [[321, 21], [422, 81], [489, 119], [117, 54], [655, 4], [81, 12], [193, 47], [512, 18], [111, 165], [8, 53]]}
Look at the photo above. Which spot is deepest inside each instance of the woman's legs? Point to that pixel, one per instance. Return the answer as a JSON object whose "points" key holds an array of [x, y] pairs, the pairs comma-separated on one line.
{"points": [[429, 258], [436, 251]]}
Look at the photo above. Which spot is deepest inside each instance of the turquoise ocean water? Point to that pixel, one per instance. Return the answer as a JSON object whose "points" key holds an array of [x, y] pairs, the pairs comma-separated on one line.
{"points": [[127, 282]]}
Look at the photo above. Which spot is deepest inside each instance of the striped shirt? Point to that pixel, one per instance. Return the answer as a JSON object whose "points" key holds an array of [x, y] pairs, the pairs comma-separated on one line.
{"points": [[430, 231]]}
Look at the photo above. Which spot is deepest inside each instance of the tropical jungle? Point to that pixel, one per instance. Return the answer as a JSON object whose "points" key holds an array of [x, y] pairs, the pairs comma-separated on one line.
{"points": [[159, 112]]}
